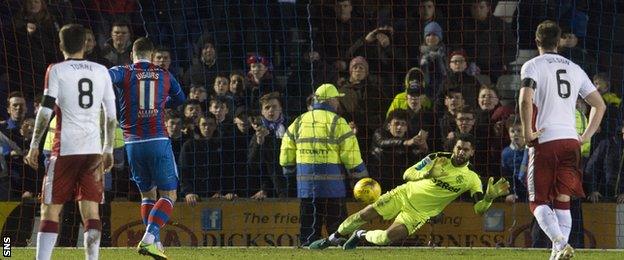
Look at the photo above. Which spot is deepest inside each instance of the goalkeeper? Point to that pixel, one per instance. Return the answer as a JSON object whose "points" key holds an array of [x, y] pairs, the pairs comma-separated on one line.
{"points": [[431, 184]]}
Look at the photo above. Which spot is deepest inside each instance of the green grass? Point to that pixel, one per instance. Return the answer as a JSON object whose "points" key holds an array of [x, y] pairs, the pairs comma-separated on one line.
{"points": [[294, 253]]}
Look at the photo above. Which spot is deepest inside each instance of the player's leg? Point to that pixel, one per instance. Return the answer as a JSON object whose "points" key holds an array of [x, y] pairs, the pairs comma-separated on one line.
{"points": [[90, 194], [58, 187], [165, 175], [540, 183], [48, 230], [404, 224], [387, 206], [396, 232], [93, 228], [568, 183]]}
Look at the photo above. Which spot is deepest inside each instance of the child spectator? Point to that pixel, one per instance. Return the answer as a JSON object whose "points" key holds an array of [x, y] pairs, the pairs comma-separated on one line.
{"points": [[511, 161]]}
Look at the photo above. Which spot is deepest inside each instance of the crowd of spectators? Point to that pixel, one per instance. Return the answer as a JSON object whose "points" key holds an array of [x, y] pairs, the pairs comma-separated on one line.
{"points": [[414, 76]]}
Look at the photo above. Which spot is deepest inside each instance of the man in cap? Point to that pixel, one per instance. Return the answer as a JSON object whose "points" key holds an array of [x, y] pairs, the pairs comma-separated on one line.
{"points": [[317, 146]]}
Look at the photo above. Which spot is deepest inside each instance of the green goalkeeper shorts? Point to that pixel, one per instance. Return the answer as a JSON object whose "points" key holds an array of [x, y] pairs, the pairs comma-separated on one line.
{"points": [[393, 204]]}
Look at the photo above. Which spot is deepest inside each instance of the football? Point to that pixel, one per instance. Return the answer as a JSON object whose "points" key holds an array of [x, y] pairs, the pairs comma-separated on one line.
{"points": [[367, 190]]}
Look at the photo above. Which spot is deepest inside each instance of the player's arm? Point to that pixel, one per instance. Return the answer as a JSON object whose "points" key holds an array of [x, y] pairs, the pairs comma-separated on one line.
{"points": [[110, 112], [527, 91], [116, 74], [493, 191], [428, 167], [598, 108], [176, 95]]}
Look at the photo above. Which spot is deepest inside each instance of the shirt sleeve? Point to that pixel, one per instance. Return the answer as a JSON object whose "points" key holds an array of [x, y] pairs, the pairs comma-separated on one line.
{"points": [[116, 74], [476, 184], [587, 86], [51, 86], [528, 71]]}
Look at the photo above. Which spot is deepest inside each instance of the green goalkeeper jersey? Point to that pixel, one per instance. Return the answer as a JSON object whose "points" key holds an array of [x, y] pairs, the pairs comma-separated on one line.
{"points": [[429, 196]]}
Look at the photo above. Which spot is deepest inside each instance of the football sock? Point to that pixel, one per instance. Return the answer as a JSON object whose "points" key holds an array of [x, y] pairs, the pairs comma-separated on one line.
{"points": [[547, 220], [564, 218], [377, 237], [350, 224], [158, 217], [92, 237], [46, 239], [146, 208]]}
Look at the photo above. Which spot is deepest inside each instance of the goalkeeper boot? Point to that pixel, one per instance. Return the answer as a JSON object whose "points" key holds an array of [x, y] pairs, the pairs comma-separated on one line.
{"points": [[151, 250], [353, 241], [320, 244], [566, 253]]}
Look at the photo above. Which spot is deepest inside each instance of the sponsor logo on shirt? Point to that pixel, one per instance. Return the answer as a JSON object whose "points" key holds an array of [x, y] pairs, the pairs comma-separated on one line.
{"points": [[445, 185]]}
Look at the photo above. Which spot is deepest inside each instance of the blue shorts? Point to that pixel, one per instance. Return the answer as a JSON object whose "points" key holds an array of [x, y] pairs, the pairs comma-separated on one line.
{"points": [[152, 164]]}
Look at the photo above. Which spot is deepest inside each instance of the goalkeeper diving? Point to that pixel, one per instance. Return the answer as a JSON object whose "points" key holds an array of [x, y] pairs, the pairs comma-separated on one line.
{"points": [[430, 186]]}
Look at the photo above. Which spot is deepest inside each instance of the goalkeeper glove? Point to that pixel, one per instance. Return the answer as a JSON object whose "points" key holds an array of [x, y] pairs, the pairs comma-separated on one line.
{"points": [[495, 190]]}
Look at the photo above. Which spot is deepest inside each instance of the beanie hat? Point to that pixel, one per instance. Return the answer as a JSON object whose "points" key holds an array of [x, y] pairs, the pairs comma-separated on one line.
{"points": [[358, 60], [433, 28]]}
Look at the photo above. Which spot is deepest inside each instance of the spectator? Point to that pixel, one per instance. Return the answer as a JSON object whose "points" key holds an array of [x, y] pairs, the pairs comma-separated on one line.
{"points": [[461, 76], [568, 47], [308, 69], [36, 45], [394, 150], [221, 90], [603, 167], [5, 186], [264, 149], [192, 110], [260, 78], [162, 57], [612, 120], [173, 123], [491, 134], [413, 79], [453, 102], [364, 100], [488, 40], [338, 31], [219, 108], [93, 51], [206, 65], [384, 58], [17, 111], [117, 49], [511, 161], [247, 180], [433, 60], [465, 122], [200, 161], [200, 94], [239, 90]]}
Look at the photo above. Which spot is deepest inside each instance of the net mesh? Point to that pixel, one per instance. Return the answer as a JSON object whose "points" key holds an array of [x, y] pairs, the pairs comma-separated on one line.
{"points": [[430, 58]]}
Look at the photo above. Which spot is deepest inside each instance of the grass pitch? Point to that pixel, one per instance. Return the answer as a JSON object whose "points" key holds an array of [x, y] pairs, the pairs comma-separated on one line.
{"points": [[334, 253]]}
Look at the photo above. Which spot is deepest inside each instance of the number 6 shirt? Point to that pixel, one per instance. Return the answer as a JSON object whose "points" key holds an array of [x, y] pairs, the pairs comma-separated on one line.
{"points": [[558, 83], [79, 88]]}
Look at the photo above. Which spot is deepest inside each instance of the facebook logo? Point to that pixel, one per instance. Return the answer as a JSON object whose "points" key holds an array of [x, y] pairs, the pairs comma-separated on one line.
{"points": [[211, 219]]}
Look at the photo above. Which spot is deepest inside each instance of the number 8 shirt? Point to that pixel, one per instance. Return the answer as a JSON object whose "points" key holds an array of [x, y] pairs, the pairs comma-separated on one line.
{"points": [[558, 83], [79, 87]]}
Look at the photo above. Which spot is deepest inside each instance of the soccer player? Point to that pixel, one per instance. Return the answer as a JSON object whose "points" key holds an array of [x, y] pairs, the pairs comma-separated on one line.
{"points": [[76, 90], [431, 184], [143, 91], [550, 86]]}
